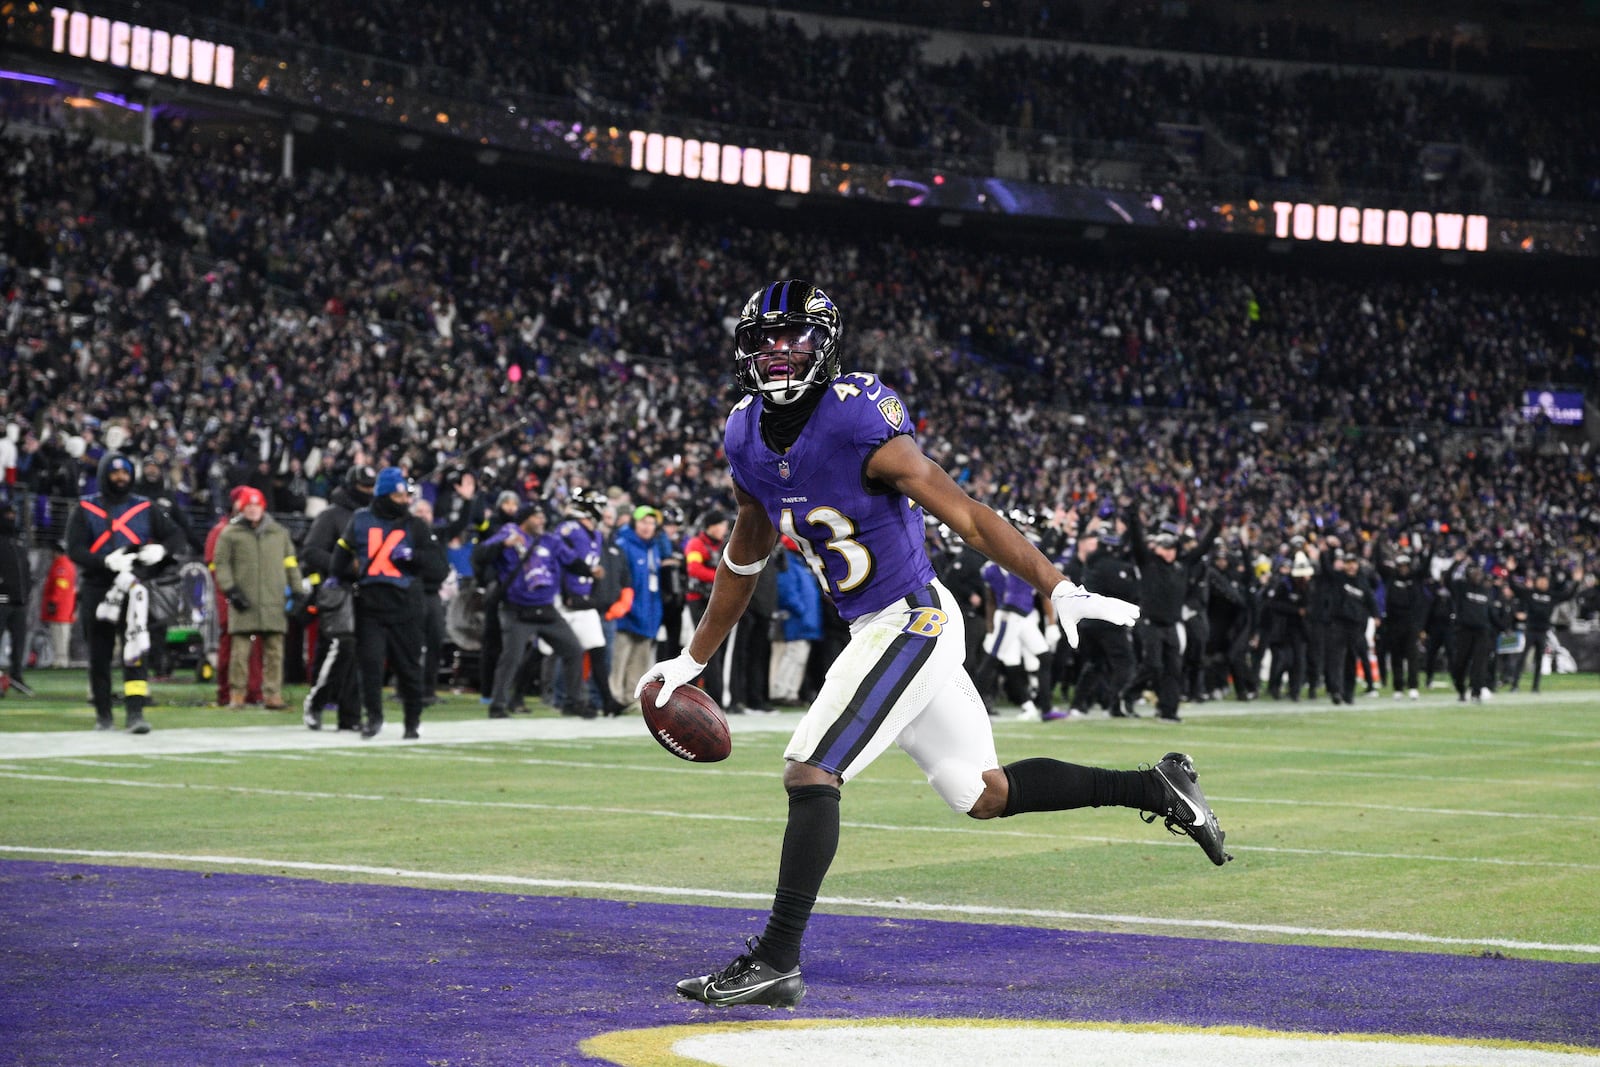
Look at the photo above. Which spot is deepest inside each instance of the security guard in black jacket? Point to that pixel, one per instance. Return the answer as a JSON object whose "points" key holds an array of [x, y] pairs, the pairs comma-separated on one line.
{"points": [[333, 672], [390, 554], [1475, 629], [1539, 602], [16, 587], [1105, 650], [111, 533], [1163, 585], [1351, 605], [1405, 617]]}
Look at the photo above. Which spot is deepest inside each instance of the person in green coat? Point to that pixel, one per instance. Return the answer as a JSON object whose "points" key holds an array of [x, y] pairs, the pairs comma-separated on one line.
{"points": [[257, 570]]}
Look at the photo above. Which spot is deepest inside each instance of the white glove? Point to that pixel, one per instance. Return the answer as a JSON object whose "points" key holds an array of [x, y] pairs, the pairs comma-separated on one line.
{"points": [[119, 560], [150, 555], [1074, 603], [673, 673]]}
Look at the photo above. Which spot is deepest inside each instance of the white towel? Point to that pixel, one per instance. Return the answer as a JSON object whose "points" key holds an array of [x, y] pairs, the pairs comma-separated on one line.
{"points": [[135, 620], [131, 600]]}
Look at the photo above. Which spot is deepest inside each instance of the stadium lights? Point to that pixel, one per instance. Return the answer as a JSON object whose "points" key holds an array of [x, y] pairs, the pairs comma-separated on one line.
{"points": [[18, 76]]}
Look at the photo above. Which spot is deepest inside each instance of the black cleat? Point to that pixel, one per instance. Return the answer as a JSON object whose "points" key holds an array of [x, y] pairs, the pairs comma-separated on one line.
{"points": [[371, 727], [138, 725], [747, 980], [21, 688], [312, 717], [1187, 811]]}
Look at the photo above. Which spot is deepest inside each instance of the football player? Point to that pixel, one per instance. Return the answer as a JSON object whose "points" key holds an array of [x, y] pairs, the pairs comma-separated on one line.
{"points": [[829, 459]]}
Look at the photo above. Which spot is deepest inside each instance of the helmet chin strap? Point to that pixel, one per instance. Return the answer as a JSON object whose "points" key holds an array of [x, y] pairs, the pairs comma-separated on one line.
{"points": [[788, 394]]}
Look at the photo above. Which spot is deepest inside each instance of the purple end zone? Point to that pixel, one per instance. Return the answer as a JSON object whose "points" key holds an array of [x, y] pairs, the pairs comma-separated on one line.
{"points": [[162, 966]]}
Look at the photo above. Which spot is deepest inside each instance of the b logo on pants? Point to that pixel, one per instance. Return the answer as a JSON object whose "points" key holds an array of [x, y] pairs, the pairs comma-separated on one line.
{"points": [[925, 622]]}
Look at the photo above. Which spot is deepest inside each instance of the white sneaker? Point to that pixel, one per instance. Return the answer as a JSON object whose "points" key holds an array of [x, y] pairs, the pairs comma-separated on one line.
{"points": [[1412, 693], [1485, 694], [1399, 695], [1029, 712]]}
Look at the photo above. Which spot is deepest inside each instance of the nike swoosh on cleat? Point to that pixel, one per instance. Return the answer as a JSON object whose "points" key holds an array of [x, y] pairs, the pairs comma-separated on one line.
{"points": [[719, 996]]}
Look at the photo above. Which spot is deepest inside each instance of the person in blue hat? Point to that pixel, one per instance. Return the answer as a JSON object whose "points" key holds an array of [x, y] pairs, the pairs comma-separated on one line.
{"points": [[390, 555]]}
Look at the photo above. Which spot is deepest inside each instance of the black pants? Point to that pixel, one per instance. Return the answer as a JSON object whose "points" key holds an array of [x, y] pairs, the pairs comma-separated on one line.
{"points": [[672, 625], [334, 679], [101, 637], [489, 647], [1536, 643], [1440, 647], [14, 621], [1288, 658], [1054, 668], [1397, 651], [1316, 654], [432, 642], [1163, 664], [711, 681], [522, 629], [1106, 651], [1197, 635], [1469, 665], [399, 639], [1241, 666], [748, 671], [1346, 645]]}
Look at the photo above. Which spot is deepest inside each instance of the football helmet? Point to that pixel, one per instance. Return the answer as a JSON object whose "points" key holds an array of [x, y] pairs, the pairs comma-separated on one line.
{"points": [[587, 504], [361, 476], [792, 316]]}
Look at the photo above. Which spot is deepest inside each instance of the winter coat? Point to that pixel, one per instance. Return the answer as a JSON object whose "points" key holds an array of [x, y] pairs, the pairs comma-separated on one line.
{"points": [[16, 583], [644, 562], [60, 591], [800, 598], [260, 562]]}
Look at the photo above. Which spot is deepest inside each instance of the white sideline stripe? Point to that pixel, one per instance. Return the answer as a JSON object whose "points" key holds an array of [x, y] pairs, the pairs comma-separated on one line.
{"points": [[1318, 772], [117, 765], [1364, 806], [920, 907], [1358, 804], [589, 809], [189, 759]]}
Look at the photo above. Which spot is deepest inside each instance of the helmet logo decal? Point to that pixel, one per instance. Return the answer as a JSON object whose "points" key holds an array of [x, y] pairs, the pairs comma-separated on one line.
{"points": [[893, 412]]}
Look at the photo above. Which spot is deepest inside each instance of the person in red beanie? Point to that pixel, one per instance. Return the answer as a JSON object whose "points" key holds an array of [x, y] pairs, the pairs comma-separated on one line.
{"points": [[256, 568], [252, 692]]}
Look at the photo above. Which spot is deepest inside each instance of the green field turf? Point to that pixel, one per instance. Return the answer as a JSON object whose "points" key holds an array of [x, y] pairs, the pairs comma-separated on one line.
{"points": [[1433, 826]]}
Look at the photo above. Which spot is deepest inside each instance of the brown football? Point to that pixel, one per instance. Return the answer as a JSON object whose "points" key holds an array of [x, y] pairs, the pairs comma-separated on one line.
{"points": [[689, 725]]}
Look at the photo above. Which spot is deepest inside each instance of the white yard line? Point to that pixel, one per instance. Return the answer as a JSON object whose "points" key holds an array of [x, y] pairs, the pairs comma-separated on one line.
{"points": [[679, 815], [954, 911]]}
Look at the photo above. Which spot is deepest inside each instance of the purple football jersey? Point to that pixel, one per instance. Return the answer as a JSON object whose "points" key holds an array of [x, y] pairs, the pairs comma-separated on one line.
{"points": [[1009, 590], [864, 546]]}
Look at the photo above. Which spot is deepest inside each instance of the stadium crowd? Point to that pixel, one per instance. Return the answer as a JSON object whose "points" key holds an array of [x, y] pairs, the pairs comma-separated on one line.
{"points": [[234, 328], [872, 85]]}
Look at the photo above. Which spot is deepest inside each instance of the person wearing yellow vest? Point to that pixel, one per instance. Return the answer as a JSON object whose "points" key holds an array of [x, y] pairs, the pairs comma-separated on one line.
{"points": [[115, 536]]}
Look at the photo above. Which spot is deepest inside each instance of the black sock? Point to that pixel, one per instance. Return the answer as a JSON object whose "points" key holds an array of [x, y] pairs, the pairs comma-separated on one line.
{"points": [[1051, 785], [809, 843]]}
